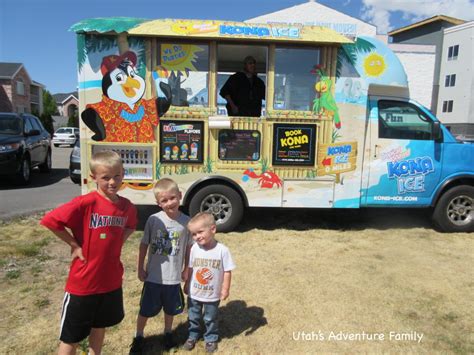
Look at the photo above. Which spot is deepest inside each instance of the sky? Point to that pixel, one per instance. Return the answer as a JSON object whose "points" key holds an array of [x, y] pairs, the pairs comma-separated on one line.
{"points": [[36, 32]]}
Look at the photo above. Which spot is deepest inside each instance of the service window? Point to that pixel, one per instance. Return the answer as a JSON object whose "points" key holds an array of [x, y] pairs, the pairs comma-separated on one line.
{"points": [[186, 66], [402, 120], [239, 145], [294, 83]]}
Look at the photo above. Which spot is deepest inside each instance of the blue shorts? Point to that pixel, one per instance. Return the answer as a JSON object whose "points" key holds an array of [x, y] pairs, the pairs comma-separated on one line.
{"points": [[157, 296]]}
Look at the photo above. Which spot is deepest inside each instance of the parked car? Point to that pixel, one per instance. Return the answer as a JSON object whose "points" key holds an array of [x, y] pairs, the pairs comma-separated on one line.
{"points": [[66, 135], [24, 144], [75, 163]]}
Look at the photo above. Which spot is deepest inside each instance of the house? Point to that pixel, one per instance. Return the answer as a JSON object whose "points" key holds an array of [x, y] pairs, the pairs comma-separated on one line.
{"points": [[18, 92], [67, 104], [456, 90], [427, 32]]}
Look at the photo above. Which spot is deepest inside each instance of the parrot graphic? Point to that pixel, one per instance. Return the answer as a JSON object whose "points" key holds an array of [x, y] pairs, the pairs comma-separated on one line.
{"points": [[324, 101]]}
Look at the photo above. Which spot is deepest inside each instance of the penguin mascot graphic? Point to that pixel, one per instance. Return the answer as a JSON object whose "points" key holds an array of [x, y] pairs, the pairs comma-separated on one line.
{"points": [[123, 115]]}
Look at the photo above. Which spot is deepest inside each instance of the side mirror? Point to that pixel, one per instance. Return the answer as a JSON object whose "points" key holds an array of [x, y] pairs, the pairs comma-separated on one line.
{"points": [[436, 131]]}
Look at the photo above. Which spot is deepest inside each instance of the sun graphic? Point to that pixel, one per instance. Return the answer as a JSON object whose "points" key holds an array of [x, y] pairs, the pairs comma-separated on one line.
{"points": [[374, 65], [179, 57]]}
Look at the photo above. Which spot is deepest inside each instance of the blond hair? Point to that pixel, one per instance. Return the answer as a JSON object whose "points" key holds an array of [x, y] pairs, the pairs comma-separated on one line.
{"points": [[107, 158], [165, 185], [205, 218]]}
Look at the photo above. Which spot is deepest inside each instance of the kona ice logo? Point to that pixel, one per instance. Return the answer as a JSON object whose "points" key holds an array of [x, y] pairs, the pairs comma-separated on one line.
{"points": [[410, 174]]}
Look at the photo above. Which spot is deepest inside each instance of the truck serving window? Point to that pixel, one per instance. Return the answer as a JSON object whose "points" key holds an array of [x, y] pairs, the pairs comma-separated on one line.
{"points": [[187, 67], [294, 83], [402, 120]]}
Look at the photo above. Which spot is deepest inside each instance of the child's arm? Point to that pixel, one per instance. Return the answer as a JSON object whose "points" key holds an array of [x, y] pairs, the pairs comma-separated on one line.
{"points": [[188, 280], [185, 272], [226, 285], [65, 236], [126, 233], [142, 274]]}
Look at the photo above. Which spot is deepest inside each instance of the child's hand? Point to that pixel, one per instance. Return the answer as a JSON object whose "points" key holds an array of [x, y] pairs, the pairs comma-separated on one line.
{"points": [[186, 288], [184, 275], [76, 252], [224, 294], [142, 275]]}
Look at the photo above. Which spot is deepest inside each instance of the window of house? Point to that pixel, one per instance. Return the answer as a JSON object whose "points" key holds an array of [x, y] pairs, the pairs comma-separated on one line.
{"points": [[294, 83], [186, 66], [402, 120], [448, 106], [450, 80], [453, 52], [20, 87]]}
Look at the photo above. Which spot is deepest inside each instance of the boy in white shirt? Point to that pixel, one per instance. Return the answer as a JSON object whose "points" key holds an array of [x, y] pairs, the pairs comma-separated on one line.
{"points": [[208, 282]]}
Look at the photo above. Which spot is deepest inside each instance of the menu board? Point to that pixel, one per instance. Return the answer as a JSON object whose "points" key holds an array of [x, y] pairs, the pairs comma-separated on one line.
{"points": [[181, 141], [239, 145], [294, 144]]}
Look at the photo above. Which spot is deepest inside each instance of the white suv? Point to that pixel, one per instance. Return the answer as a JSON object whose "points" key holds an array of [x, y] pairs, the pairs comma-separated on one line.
{"points": [[65, 135]]}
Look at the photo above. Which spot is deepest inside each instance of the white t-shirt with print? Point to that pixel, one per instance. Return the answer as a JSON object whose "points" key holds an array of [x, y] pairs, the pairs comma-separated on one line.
{"points": [[208, 271]]}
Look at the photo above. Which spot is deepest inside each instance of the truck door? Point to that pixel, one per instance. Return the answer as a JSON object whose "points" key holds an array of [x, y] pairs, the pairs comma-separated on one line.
{"points": [[404, 159]]}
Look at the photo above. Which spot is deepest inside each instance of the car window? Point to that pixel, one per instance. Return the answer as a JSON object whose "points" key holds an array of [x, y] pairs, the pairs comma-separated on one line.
{"points": [[62, 130], [10, 124], [38, 122], [28, 125], [35, 123]]}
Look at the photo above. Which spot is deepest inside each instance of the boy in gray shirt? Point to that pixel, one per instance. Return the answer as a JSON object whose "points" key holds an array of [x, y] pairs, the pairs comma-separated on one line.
{"points": [[167, 242]]}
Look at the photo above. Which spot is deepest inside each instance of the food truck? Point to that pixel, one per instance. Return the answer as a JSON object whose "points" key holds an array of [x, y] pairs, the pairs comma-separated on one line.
{"points": [[338, 128]]}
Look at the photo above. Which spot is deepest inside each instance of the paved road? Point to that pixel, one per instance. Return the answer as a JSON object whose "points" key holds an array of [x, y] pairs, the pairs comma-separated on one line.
{"points": [[45, 191]]}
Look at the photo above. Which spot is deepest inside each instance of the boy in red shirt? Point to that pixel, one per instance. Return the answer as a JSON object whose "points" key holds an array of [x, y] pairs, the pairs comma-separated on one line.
{"points": [[97, 226]]}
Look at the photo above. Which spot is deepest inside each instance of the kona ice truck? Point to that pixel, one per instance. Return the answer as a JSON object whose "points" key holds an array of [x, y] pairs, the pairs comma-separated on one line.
{"points": [[338, 128]]}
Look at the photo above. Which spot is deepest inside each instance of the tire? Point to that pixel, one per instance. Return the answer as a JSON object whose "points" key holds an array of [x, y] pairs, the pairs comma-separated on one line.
{"points": [[221, 201], [56, 145], [46, 166], [24, 174], [454, 211], [75, 180]]}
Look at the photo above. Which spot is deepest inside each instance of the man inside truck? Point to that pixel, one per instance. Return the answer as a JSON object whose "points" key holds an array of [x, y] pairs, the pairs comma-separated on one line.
{"points": [[244, 91]]}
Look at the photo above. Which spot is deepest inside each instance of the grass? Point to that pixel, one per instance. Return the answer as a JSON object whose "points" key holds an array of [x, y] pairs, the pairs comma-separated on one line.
{"points": [[315, 276]]}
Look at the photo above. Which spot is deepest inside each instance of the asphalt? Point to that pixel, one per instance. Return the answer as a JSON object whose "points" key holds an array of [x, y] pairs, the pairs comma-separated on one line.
{"points": [[45, 191]]}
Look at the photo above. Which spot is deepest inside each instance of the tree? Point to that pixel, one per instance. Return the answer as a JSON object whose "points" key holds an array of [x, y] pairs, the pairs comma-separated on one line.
{"points": [[49, 109]]}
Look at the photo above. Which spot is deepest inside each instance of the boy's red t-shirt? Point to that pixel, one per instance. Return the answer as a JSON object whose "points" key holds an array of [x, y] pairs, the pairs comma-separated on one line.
{"points": [[98, 225]]}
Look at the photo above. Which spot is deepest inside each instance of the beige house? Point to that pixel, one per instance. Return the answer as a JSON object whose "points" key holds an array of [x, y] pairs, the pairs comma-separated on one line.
{"points": [[18, 92]]}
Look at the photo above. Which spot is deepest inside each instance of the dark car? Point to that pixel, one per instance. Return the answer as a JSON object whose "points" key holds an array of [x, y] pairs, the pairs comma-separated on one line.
{"points": [[24, 144], [75, 163]]}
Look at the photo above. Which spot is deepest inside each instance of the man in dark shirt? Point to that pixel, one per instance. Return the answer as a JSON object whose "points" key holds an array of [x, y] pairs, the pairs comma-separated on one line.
{"points": [[244, 91]]}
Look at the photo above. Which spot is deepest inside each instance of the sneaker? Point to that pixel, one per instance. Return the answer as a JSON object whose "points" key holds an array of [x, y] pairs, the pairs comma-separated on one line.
{"points": [[189, 345], [137, 345], [169, 342], [211, 347]]}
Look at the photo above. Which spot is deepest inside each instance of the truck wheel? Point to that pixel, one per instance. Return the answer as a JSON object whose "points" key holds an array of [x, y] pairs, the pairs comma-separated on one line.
{"points": [[223, 202], [45, 167], [24, 174], [454, 211]]}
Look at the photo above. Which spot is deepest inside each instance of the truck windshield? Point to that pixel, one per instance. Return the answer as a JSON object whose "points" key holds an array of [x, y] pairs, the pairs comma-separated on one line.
{"points": [[10, 124]]}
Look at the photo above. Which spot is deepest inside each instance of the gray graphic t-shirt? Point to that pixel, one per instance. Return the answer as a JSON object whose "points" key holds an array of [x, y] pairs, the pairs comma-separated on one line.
{"points": [[167, 240]]}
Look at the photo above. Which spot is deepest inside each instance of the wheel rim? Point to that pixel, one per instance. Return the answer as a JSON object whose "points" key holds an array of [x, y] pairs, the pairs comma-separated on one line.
{"points": [[26, 170], [460, 210], [219, 206]]}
